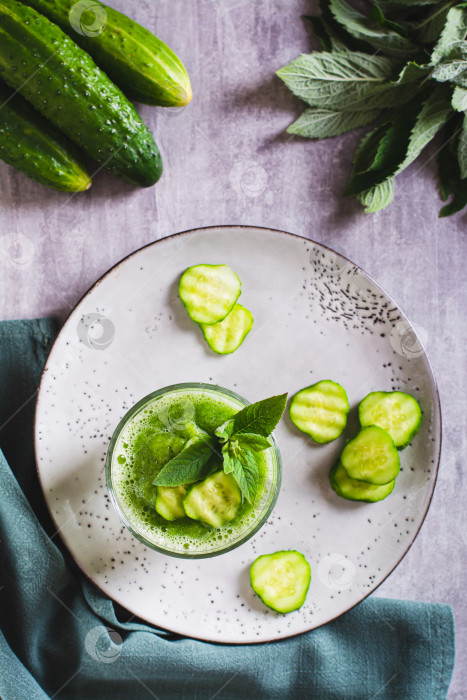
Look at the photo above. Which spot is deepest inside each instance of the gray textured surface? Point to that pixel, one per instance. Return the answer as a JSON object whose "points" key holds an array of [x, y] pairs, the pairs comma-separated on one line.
{"points": [[228, 161]]}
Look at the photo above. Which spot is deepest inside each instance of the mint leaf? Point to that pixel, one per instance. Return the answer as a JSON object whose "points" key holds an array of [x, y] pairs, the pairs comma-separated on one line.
{"points": [[462, 150], [450, 181], [350, 81], [452, 69], [320, 123], [377, 197], [376, 34], [252, 441], [244, 469], [192, 464], [261, 417], [459, 99], [335, 80], [454, 32]]}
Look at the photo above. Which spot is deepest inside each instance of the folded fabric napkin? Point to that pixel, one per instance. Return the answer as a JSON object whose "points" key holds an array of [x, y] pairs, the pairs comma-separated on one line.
{"points": [[62, 638]]}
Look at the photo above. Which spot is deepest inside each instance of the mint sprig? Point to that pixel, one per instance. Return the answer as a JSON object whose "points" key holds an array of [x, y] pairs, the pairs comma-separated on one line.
{"points": [[233, 448], [244, 435]]}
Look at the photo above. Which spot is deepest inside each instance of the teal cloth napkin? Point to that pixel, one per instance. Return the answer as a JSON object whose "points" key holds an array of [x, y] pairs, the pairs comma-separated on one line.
{"points": [[62, 638]]}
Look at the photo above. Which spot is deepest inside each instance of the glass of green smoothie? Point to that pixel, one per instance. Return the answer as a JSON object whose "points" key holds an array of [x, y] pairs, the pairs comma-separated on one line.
{"points": [[153, 432]]}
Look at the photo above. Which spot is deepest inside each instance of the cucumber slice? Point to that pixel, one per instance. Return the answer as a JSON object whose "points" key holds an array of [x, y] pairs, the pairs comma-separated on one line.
{"points": [[320, 410], [209, 292], [227, 335], [355, 490], [281, 580], [169, 501], [397, 413], [371, 456], [213, 501]]}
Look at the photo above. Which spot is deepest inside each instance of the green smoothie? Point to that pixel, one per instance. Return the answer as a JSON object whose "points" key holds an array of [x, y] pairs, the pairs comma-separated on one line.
{"points": [[156, 430]]}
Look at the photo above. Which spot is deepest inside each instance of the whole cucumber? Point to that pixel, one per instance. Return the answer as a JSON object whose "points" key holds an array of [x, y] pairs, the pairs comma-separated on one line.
{"points": [[30, 144], [63, 83], [145, 68]]}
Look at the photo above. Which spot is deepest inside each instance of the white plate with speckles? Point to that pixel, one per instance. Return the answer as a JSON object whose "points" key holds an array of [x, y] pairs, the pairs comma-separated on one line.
{"points": [[317, 316]]}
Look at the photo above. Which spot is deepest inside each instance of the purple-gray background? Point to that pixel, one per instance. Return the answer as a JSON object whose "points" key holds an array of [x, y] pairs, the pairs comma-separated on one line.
{"points": [[228, 161]]}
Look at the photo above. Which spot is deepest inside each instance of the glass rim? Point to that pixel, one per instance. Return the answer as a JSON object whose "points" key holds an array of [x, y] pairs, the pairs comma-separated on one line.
{"points": [[134, 410]]}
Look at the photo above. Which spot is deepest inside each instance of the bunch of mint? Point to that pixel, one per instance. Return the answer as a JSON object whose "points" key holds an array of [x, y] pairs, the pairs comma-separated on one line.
{"points": [[404, 63]]}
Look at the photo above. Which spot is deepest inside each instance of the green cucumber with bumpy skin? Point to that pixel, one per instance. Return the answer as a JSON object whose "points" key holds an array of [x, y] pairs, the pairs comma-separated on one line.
{"points": [[30, 144], [145, 68], [63, 83]]}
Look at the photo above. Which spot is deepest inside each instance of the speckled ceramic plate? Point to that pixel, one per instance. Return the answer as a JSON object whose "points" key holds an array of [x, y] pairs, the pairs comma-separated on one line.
{"points": [[317, 316]]}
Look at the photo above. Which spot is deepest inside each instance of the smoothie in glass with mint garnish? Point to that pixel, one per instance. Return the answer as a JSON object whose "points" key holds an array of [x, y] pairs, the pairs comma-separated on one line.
{"points": [[152, 433]]}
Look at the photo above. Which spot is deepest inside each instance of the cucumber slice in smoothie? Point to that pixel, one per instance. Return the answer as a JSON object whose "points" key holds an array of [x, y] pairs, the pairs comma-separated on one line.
{"points": [[371, 456], [227, 335], [396, 412], [354, 490], [320, 410], [209, 292], [213, 501], [281, 580], [169, 502]]}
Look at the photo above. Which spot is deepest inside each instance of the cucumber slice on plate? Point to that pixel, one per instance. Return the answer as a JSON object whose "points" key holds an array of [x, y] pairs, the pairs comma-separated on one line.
{"points": [[396, 412], [227, 335], [209, 292], [281, 580], [371, 456], [169, 502], [213, 501], [320, 410], [354, 490]]}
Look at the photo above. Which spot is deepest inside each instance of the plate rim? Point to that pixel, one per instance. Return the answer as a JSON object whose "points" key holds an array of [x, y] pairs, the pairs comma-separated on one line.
{"points": [[311, 242]]}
